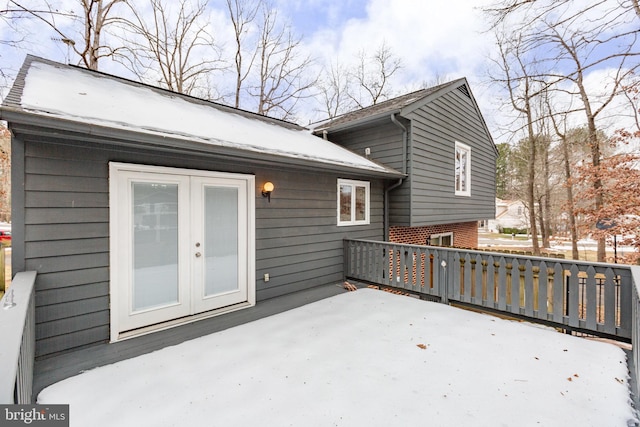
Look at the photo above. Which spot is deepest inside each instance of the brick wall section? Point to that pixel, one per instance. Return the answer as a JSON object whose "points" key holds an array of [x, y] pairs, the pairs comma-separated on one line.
{"points": [[465, 234]]}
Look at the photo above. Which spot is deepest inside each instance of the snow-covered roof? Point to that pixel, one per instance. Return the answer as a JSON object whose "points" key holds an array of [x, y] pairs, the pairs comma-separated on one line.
{"points": [[56, 91]]}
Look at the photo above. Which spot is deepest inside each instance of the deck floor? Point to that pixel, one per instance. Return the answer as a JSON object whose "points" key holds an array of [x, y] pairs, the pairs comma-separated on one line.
{"points": [[52, 369], [331, 363]]}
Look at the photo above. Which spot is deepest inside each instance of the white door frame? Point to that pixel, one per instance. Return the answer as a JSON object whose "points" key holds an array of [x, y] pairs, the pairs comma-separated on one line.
{"points": [[120, 175]]}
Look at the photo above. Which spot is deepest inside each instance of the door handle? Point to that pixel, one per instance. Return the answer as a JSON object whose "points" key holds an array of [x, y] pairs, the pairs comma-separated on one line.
{"points": [[198, 254]]}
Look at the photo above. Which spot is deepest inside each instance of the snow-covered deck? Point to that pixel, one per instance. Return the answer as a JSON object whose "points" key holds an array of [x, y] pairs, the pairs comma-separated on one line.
{"points": [[361, 358]]}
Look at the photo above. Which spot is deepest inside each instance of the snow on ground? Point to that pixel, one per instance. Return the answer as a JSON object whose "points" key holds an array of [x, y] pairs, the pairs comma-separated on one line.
{"points": [[365, 358], [485, 241]]}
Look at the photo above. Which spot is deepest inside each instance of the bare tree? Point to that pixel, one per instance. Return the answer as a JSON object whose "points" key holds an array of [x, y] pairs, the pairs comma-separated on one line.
{"points": [[372, 74], [543, 193], [573, 38], [530, 11], [573, 48], [283, 77], [242, 14], [516, 76], [174, 47], [96, 16], [560, 128], [334, 90]]}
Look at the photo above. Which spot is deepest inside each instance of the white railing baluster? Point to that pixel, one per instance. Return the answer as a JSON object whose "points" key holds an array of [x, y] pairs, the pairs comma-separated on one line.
{"points": [[17, 336]]}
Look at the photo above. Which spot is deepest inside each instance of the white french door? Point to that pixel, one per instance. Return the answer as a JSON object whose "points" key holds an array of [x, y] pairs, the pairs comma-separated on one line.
{"points": [[182, 243], [219, 233]]}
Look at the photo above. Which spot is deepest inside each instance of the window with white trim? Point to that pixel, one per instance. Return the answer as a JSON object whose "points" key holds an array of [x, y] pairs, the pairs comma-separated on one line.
{"points": [[353, 202], [441, 239], [463, 169]]}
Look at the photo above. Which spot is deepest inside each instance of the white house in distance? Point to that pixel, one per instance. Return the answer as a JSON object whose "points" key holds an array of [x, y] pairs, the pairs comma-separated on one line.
{"points": [[509, 214]]}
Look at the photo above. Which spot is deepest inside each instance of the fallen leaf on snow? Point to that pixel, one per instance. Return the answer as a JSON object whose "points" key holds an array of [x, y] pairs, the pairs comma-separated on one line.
{"points": [[422, 346], [348, 286]]}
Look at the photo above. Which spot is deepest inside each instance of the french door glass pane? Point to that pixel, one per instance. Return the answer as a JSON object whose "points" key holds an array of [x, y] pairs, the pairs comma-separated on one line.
{"points": [[155, 244], [220, 240]]}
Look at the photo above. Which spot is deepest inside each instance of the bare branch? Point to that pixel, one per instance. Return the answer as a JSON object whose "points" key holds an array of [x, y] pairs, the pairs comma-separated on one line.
{"points": [[242, 14], [372, 74], [175, 48], [283, 79]]}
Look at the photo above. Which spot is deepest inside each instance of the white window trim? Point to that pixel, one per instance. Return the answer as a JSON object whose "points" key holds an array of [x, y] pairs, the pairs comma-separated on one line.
{"points": [[354, 184], [440, 235], [463, 147]]}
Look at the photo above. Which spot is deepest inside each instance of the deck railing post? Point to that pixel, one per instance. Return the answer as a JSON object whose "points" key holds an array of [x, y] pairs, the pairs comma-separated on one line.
{"points": [[444, 281], [345, 259]]}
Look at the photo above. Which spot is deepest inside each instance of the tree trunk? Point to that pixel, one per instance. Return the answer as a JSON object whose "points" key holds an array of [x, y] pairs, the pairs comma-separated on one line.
{"points": [[575, 254], [531, 184], [542, 220], [546, 212], [597, 184]]}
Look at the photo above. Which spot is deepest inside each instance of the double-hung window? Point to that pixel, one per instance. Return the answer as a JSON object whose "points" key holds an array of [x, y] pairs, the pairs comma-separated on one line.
{"points": [[353, 202], [463, 170]]}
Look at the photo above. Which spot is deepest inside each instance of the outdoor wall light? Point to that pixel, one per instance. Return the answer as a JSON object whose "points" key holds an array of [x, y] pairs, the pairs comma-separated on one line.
{"points": [[267, 188]]}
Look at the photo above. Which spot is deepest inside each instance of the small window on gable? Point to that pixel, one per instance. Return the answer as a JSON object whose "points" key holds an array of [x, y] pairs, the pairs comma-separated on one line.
{"points": [[463, 170], [353, 202]]}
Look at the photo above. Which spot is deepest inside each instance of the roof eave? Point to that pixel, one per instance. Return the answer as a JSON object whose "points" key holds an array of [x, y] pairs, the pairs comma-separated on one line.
{"points": [[30, 123], [355, 123]]}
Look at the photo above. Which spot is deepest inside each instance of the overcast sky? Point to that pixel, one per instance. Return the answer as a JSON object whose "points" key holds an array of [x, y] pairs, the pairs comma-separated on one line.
{"points": [[435, 40]]}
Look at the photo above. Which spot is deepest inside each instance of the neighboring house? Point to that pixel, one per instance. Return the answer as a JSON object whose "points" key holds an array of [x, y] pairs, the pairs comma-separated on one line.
{"points": [[141, 208], [439, 139], [509, 214]]}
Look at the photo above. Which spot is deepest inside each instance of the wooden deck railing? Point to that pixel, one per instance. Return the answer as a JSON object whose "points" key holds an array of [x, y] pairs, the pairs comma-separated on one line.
{"points": [[593, 298], [17, 340]]}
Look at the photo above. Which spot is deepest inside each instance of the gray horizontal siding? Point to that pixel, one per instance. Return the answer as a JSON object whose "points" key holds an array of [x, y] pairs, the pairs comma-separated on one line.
{"points": [[56, 328], [85, 276], [66, 212], [65, 247], [297, 240], [66, 199], [70, 340], [383, 138], [72, 293], [385, 141], [54, 231], [427, 195], [435, 129]]}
